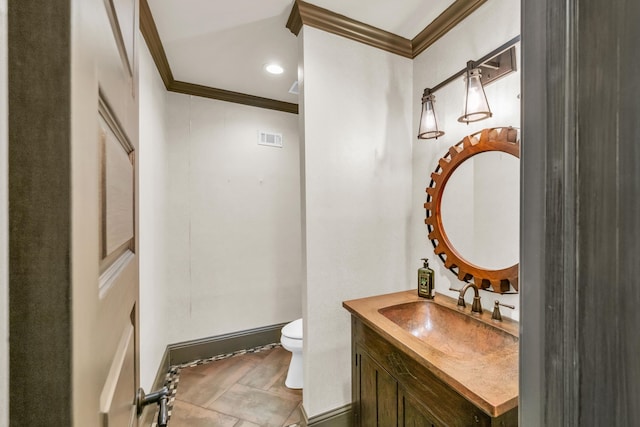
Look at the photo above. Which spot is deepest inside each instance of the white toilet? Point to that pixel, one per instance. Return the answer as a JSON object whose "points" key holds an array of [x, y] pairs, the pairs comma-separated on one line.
{"points": [[291, 340]]}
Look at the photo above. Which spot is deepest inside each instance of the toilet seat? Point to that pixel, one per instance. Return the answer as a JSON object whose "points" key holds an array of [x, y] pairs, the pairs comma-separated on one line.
{"points": [[291, 344], [293, 330]]}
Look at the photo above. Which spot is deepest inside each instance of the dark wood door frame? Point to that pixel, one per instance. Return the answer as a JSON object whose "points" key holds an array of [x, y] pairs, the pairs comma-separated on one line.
{"points": [[580, 213], [39, 152]]}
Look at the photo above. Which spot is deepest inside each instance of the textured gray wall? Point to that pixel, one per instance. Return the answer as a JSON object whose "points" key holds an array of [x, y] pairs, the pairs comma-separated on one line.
{"points": [[4, 285], [39, 213], [580, 213]]}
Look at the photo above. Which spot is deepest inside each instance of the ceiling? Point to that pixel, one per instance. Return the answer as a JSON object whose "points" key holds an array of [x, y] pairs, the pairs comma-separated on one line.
{"points": [[225, 44]]}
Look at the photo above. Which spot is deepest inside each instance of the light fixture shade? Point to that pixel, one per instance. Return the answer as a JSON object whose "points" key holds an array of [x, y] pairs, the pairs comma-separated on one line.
{"points": [[428, 119], [476, 106]]}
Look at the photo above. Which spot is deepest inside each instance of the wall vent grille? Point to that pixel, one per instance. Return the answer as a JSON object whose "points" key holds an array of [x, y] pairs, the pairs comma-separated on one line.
{"points": [[270, 139]]}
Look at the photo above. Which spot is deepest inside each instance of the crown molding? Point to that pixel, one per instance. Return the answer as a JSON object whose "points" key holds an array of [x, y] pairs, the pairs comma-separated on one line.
{"points": [[294, 23], [150, 33], [304, 13], [448, 19], [229, 96]]}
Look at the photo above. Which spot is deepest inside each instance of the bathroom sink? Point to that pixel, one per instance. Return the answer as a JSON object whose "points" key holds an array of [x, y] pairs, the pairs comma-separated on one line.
{"points": [[450, 331], [471, 354]]}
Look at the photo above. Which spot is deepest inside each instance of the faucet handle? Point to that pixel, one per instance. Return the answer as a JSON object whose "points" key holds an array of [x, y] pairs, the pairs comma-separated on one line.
{"points": [[496, 310], [512, 307], [460, 298]]}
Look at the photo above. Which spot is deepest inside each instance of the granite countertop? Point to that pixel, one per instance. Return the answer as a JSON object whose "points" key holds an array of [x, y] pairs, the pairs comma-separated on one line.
{"points": [[489, 379]]}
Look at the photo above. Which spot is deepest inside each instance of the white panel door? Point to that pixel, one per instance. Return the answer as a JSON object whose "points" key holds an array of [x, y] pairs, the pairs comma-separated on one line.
{"points": [[104, 212]]}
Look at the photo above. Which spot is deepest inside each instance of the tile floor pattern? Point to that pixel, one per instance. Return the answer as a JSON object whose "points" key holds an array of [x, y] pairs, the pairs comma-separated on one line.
{"points": [[241, 389]]}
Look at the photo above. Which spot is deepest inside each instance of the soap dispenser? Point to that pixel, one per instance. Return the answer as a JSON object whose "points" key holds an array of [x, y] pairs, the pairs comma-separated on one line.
{"points": [[425, 280]]}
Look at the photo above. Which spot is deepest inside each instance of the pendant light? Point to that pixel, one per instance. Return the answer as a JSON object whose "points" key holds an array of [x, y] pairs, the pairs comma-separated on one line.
{"points": [[428, 120], [476, 106]]}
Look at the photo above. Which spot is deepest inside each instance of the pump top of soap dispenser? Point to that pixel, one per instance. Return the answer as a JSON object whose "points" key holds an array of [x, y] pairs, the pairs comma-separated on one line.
{"points": [[425, 262]]}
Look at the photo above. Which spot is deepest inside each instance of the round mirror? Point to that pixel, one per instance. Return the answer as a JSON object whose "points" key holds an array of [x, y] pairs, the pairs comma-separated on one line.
{"points": [[486, 229], [473, 209]]}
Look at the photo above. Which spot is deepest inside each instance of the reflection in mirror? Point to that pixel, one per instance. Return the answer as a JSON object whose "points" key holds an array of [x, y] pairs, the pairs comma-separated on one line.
{"points": [[474, 224], [485, 229]]}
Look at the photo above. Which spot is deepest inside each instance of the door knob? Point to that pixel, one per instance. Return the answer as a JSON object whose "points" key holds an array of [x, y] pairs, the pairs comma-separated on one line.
{"points": [[160, 398]]}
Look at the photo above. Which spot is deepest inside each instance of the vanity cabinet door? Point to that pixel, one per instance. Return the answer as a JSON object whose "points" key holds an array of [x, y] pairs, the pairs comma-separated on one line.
{"points": [[375, 402], [382, 403], [440, 401], [385, 383], [412, 413]]}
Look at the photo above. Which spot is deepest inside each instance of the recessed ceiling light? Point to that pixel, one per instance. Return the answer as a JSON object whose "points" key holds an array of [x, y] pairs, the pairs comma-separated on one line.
{"points": [[273, 69]]}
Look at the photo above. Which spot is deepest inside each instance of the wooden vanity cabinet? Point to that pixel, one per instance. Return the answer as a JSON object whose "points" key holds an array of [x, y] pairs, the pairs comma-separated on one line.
{"points": [[391, 389]]}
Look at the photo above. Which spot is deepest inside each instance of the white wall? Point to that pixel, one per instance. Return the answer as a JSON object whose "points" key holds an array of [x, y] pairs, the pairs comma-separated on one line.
{"points": [[357, 119], [233, 218], [4, 285], [154, 314], [488, 27], [219, 219], [223, 214]]}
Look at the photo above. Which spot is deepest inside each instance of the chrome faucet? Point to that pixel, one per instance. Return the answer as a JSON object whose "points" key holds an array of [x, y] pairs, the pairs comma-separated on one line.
{"points": [[475, 307]]}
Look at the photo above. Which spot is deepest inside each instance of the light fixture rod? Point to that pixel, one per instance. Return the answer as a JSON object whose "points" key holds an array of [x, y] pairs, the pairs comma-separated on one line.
{"points": [[479, 62], [449, 80]]}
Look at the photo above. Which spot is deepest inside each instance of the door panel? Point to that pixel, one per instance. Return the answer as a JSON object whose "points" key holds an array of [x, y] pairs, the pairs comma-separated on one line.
{"points": [[387, 399], [122, 18], [115, 399], [116, 322], [378, 394], [104, 185], [117, 192], [368, 397], [413, 413]]}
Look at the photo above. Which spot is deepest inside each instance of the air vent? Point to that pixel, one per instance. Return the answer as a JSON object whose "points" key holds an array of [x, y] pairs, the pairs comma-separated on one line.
{"points": [[270, 139], [294, 88]]}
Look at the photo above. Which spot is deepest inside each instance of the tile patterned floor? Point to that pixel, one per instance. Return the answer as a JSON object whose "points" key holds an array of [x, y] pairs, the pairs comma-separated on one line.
{"points": [[242, 389]]}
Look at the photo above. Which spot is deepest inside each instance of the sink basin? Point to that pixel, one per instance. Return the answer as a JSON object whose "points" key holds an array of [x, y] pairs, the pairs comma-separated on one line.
{"points": [[449, 331], [472, 354]]}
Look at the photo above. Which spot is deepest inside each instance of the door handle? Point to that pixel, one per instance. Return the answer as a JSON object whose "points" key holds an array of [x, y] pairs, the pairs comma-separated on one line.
{"points": [[160, 398]]}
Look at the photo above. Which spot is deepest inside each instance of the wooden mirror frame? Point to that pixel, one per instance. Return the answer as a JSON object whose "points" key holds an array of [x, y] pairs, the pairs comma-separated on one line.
{"points": [[503, 139]]}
